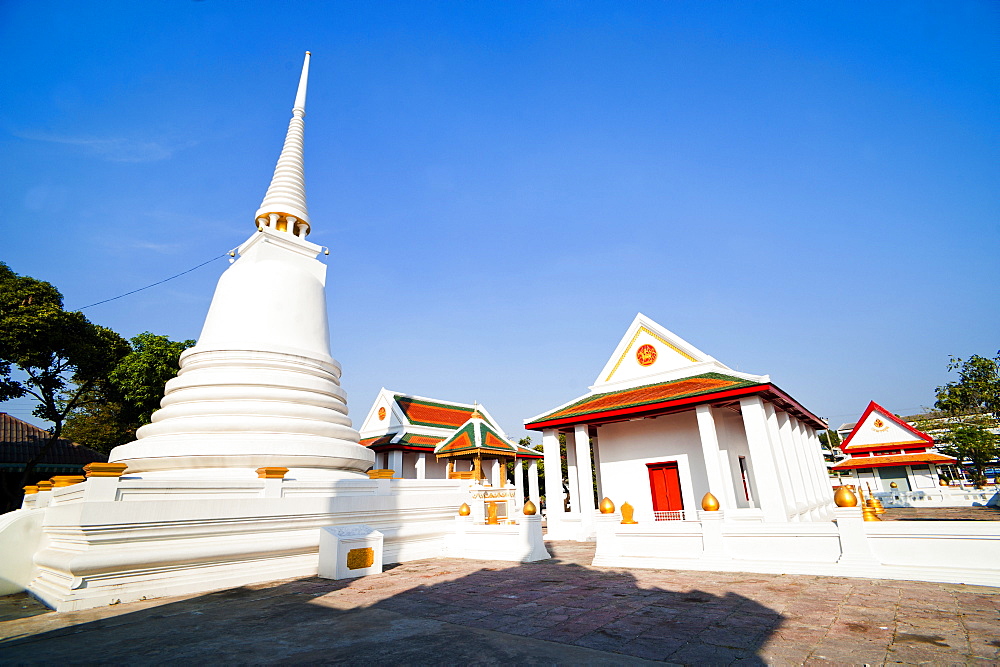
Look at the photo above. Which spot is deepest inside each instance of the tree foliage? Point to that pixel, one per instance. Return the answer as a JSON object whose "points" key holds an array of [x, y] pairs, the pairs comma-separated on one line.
{"points": [[126, 399], [977, 390], [48, 353], [972, 444], [972, 406]]}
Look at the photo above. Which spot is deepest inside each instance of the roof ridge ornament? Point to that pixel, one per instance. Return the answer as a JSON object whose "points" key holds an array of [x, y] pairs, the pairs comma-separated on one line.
{"points": [[284, 206]]}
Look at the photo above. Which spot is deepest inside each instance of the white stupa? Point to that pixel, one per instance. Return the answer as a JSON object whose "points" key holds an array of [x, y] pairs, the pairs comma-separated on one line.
{"points": [[260, 388]]}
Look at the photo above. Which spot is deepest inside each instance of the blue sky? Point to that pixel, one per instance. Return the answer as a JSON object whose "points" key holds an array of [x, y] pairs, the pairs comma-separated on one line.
{"points": [[808, 190]]}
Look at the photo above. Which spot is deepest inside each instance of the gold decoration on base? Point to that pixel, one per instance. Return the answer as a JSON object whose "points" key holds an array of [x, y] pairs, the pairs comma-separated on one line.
{"points": [[381, 474], [529, 508], [627, 511], [844, 497], [358, 559], [867, 511], [44, 485], [607, 507], [464, 509], [101, 469], [874, 502], [272, 473], [491, 514], [67, 480], [710, 503], [30, 490]]}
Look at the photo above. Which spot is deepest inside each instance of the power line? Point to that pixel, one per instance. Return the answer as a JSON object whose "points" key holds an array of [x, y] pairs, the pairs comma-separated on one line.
{"points": [[160, 282]]}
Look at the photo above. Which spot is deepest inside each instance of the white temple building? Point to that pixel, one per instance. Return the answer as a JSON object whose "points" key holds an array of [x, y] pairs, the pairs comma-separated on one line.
{"points": [[665, 423]]}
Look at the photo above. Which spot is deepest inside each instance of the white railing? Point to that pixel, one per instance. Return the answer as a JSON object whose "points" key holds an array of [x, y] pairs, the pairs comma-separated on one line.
{"points": [[670, 515]]}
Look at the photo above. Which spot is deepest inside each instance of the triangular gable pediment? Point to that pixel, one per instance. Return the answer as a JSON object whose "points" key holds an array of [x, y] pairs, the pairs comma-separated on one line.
{"points": [[878, 426], [383, 416], [648, 349]]}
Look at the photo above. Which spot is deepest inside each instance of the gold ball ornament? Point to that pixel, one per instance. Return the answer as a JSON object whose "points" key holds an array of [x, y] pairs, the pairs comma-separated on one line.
{"points": [[844, 497], [464, 510], [710, 503], [893, 485], [607, 507], [942, 482], [529, 508]]}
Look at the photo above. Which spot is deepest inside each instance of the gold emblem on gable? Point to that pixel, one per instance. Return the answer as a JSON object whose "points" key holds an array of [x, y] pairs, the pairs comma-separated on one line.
{"points": [[645, 355], [381, 413], [880, 425]]}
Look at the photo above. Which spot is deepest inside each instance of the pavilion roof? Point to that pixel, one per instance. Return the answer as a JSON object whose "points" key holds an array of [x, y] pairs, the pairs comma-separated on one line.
{"points": [[402, 440], [431, 413], [892, 460], [663, 397], [478, 437]]}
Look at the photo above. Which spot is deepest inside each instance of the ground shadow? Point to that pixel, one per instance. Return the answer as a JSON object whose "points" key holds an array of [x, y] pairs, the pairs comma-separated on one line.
{"points": [[549, 612]]}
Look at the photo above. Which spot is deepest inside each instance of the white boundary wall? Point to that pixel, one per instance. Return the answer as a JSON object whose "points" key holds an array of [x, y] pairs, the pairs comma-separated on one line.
{"points": [[966, 552]]}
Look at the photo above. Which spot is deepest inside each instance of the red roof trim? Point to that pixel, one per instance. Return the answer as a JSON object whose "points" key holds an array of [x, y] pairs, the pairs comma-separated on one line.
{"points": [[678, 404], [872, 406]]}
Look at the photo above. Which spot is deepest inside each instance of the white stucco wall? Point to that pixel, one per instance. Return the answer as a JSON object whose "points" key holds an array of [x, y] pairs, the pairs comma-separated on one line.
{"points": [[626, 448], [733, 439]]}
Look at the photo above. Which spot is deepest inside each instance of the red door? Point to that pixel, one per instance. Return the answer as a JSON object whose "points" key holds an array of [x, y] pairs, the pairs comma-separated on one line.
{"points": [[665, 485]]}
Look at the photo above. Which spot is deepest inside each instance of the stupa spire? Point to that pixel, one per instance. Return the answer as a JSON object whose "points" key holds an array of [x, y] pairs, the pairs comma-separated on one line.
{"points": [[284, 206]]}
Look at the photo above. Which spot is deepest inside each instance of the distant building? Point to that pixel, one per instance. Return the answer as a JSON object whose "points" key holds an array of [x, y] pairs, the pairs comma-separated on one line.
{"points": [[885, 452], [20, 442], [403, 430]]}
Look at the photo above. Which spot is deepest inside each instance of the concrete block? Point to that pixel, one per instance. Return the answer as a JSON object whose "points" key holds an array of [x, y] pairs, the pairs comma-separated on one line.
{"points": [[351, 551]]}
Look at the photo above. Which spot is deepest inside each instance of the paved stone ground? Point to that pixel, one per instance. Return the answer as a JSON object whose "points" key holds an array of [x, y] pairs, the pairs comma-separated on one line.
{"points": [[560, 611], [942, 514]]}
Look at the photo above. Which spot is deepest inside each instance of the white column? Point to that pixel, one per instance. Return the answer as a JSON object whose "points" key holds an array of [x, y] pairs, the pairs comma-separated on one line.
{"points": [[801, 484], [596, 449], [533, 491], [395, 459], [780, 460], [823, 477], [421, 465], [765, 471], [519, 483], [804, 445], [495, 473], [710, 453], [553, 474], [572, 479], [586, 480]]}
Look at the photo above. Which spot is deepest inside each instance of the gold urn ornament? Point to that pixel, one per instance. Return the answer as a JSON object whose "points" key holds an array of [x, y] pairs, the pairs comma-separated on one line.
{"points": [[710, 503], [627, 511], [844, 497], [607, 507], [529, 508], [491, 514], [464, 510]]}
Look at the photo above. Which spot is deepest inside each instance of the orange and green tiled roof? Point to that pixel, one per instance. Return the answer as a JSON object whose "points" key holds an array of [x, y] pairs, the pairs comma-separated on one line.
{"points": [[476, 436], [408, 441], [421, 412], [650, 394], [892, 460]]}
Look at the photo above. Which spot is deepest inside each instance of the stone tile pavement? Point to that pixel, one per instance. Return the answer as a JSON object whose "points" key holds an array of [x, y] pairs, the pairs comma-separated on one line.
{"points": [[559, 611]]}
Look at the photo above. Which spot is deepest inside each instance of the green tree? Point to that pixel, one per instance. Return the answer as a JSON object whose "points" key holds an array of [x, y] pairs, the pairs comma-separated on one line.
{"points": [[126, 399], [50, 354], [971, 405], [977, 390], [971, 444]]}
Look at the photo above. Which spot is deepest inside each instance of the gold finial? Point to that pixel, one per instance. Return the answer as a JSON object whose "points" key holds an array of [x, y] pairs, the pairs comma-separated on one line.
{"points": [[476, 414], [844, 497], [529, 508], [627, 511], [710, 503], [464, 510], [308, 53], [607, 507]]}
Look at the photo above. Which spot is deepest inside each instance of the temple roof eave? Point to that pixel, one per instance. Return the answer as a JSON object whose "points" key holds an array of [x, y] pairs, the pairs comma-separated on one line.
{"points": [[670, 406]]}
